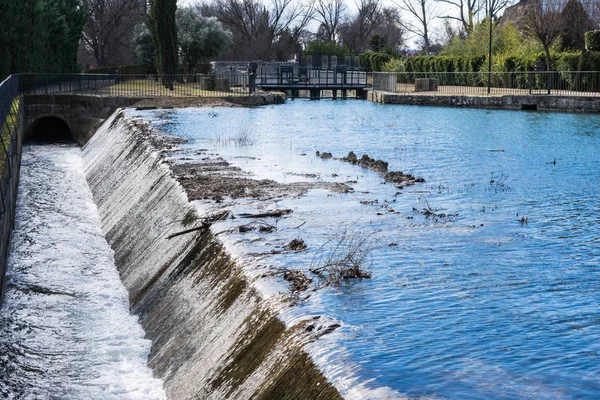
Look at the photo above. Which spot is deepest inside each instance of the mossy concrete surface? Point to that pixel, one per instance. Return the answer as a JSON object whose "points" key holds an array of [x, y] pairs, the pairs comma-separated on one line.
{"points": [[213, 334]]}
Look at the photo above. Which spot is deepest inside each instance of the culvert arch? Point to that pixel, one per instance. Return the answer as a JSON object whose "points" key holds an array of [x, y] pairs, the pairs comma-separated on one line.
{"points": [[49, 128]]}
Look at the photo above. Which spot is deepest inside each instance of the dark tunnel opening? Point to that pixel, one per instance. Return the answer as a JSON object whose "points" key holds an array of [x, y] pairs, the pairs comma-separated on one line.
{"points": [[49, 129]]}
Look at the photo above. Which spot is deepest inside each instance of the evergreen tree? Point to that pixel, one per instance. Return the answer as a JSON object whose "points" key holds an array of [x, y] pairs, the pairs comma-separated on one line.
{"points": [[164, 36], [40, 36], [576, 23]]}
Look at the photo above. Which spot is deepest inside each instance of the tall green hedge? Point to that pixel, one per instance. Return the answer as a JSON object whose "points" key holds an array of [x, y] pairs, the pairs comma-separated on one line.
{"points": [[562, 62], [472, 71]]}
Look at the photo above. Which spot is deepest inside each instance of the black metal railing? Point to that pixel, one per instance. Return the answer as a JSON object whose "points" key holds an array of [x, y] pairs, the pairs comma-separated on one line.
{"points": [[11, 111], [585, 83], [65, 83], [10, 107], [296, 77], [111, 85]]}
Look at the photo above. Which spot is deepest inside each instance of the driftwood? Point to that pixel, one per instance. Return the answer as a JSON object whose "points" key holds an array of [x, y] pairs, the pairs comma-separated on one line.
{"points": [[205, 225], [276, 214]]}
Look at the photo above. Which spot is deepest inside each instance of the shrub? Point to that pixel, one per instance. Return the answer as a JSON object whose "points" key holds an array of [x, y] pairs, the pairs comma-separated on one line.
{"points": [[394, 65], [345, 256], [592, 41]]}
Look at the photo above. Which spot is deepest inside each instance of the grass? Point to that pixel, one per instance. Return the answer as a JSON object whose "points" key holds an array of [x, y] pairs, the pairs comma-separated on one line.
{"points": [[7, 130], [238, 137]]}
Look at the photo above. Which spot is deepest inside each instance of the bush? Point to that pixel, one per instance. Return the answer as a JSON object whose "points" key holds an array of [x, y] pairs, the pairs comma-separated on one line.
{"points": [[394, 65], [592, 41], [374, 61]]}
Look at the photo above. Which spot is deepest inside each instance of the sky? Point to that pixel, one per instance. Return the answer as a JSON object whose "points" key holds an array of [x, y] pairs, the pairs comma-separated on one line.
{"points": [[436, 25]]}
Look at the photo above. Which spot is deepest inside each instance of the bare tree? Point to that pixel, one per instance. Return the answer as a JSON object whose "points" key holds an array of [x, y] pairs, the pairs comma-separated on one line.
{"points": [[108, 32], [422, 12], [356, 32], [467, 10], [494, 7], [329, 14], [543, 21], [256, 27]]}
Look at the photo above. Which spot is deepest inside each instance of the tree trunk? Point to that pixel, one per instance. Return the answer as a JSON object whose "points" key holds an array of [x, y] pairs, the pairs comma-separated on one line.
{"points": [[548, 67], [577, 78], [425, 33]]}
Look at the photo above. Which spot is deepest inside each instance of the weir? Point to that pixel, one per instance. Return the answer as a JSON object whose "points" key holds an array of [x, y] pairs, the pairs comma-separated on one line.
{"points": [[213, 334]]}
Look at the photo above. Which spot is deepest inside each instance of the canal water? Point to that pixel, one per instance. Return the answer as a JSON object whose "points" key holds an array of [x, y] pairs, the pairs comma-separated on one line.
{"points": [[498, 299], [65, 327]]}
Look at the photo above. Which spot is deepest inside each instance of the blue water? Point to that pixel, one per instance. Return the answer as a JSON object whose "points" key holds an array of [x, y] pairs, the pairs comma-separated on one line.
{"points": [[477, 306]]}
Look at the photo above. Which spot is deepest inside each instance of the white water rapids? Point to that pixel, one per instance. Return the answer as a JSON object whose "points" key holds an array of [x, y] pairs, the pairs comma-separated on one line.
{"points": [[65, 329]]}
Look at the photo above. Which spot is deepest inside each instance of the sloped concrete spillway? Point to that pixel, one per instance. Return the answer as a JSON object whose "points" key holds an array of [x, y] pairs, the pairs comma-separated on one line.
{"points": [[213, 335]]}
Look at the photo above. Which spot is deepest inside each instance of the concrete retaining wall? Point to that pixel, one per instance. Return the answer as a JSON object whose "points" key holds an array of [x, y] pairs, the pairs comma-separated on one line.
{"points": [[509, 102]]}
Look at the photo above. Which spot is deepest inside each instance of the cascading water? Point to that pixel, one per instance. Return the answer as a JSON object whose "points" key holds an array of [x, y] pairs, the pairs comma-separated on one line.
{"points": [[214, 335], [65, 329]]}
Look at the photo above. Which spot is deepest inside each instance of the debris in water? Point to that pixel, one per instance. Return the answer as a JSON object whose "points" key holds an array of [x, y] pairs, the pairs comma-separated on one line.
{"points": [[274, 214], [267, 229], [300, 282], [433, 214], [296, 245], [400, 179], [204, 226], [324, 155]]}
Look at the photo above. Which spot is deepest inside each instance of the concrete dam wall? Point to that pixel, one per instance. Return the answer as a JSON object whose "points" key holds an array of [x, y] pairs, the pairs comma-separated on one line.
{"points": [[213, 335]]}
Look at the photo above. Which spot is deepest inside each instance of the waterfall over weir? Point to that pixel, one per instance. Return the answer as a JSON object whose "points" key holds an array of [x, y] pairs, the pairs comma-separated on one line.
{"points": [[213, 334]]}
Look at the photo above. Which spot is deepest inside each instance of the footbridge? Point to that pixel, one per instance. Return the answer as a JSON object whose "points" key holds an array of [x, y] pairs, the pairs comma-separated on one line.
{"points": [[338, 80]]}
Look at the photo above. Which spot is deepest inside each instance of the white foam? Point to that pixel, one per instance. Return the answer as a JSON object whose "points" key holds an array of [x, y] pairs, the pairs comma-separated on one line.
{"points": [[65, 302]]}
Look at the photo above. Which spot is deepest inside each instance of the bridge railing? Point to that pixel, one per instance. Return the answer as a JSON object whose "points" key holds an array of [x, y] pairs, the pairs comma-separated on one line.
{"points": [[586, 83], [293, 76], [11, 112]]}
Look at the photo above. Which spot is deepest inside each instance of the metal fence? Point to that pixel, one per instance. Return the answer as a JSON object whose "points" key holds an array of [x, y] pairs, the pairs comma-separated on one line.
{"points": [[11, 111], [194, 85], [298, 77], [585, 83]]}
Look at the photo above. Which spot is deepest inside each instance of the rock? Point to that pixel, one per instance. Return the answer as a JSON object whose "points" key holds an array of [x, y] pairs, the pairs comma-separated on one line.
{"points": [[370, 163], [351, 158], [401, 180]]}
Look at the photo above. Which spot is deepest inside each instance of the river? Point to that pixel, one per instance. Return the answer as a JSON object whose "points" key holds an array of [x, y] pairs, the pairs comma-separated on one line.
{"points": [[499, 299]]}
